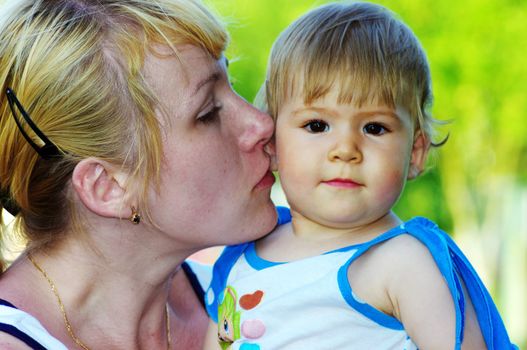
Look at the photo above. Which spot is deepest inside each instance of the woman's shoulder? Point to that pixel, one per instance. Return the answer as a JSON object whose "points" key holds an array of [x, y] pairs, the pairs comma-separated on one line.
{"points": [[7, 341], [17, 328], [201, 271]]}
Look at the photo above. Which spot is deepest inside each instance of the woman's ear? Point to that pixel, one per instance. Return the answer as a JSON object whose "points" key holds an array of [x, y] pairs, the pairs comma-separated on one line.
{"points": [[100, 187], [419, 153]]}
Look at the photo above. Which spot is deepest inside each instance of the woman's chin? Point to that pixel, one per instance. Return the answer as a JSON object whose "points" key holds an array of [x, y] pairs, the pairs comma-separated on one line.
{"points": [[257, 226]]}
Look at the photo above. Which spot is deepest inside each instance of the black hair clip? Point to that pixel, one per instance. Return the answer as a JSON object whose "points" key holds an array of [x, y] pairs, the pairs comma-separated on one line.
{"points": [[8, 203], [49, 150]]}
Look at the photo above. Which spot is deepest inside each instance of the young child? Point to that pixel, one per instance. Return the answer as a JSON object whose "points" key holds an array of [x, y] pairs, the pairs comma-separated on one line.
{"points": [[349, 88]]}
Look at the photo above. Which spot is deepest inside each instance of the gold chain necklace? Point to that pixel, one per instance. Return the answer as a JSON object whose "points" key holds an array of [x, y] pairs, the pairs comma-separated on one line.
{"points": [[65, 318]]}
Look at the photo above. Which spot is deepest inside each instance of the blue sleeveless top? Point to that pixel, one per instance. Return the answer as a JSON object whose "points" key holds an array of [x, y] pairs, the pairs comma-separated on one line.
{"points": [[451, 262]]}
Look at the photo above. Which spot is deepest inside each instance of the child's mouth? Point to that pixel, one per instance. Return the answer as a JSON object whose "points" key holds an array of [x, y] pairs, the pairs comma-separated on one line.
{"points": [[342, 183]]}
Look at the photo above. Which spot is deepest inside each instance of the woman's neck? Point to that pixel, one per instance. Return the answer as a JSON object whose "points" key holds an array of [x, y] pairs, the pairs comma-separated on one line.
{"points": [[114, 288]]}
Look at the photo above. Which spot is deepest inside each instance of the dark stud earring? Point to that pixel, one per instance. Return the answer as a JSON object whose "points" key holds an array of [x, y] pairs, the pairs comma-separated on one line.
{"points": [[135, 218]]}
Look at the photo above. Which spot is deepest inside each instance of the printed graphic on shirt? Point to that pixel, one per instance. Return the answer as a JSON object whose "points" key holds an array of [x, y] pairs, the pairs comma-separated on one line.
{"points": [[229, 319]]}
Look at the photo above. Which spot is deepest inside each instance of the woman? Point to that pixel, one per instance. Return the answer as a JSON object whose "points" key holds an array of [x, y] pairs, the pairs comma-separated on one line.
{"points": [[124, 150]]}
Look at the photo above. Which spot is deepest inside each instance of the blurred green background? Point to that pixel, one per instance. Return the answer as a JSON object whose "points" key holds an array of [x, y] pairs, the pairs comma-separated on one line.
{"points": [[476, 185]]}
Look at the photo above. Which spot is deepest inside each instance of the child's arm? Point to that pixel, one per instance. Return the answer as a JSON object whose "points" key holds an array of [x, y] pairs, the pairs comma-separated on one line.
{"points": [[409, 286], [421, 298], [211, 338], [424, 303]]}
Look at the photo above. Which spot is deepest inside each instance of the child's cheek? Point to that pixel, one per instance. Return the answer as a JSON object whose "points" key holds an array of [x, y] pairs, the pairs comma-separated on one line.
{"points": [[391, 187]]}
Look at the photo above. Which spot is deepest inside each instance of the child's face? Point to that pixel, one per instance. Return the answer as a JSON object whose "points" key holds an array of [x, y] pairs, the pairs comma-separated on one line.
{"points": [[343, 166]]}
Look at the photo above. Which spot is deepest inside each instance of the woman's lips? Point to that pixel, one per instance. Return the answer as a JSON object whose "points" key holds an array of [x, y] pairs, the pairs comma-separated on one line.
{"points": [[266, 181], [342, 183]]}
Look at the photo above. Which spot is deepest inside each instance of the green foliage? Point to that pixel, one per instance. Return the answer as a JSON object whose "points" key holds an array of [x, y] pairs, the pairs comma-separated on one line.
{"points": [[476, 185]]}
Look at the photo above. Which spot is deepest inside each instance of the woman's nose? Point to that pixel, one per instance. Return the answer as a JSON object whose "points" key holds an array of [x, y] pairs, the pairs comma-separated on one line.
{"points": [[257, 128]]}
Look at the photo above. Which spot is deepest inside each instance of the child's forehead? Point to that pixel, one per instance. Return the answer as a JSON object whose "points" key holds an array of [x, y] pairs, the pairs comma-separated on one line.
{"points": [[354, 89]]}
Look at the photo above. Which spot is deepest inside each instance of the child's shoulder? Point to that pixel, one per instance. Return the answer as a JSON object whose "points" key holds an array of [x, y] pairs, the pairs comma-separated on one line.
{"points": [[399, 251], [410, 243], [397, 270], [396, 257], [402, 262], [411, 249]]}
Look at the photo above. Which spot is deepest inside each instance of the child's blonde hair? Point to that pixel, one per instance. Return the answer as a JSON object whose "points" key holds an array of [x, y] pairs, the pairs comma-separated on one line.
{"points": [[76, 67], [359, 48]]}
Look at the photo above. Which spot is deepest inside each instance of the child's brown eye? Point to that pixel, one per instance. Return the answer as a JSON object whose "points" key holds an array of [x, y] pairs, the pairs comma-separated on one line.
{"points": [[316, 126], [374, 129]]}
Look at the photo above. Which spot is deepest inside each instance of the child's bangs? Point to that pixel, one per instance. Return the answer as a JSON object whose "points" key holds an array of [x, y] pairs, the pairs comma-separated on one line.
{"points": [[354, 86], [350, 56]]}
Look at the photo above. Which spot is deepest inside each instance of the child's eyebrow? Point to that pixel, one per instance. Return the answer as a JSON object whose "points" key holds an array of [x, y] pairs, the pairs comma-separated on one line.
{"points": [[327, 111], [331, 112], [383, 112]]}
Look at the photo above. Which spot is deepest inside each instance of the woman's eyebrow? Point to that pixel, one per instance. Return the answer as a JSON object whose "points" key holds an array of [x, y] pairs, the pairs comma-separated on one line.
{"points": [[212, 78]]}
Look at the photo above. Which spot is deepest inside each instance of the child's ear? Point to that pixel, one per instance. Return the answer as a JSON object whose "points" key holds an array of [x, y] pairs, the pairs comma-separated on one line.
{"points": [[100, 187], [419, 154], [270, 149]]}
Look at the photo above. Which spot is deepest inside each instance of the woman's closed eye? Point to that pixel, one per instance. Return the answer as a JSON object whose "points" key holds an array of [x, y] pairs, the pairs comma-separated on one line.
{"points": [[211, 115], [316, 126], [375, 129]]}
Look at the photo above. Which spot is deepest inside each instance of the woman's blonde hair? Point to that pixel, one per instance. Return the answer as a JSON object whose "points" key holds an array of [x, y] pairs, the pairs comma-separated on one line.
{"points": [[76, 67], [362, 50]]}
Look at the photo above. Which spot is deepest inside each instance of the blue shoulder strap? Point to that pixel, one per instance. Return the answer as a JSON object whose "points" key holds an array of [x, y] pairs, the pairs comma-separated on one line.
{"points": [[439, 252], [489, 319], [284, 215], [222, 268], [455, 267]]}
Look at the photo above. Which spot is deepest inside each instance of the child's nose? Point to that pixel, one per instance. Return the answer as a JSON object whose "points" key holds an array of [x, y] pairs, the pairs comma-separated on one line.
{"points": [[346, 150]]}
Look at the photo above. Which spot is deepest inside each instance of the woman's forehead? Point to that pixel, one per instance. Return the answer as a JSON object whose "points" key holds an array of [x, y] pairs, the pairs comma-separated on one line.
{"points": [[186, 70]]}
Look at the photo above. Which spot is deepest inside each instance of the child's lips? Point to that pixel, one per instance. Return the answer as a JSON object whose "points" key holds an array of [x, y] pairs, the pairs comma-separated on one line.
{"points": [[342, 183]]}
